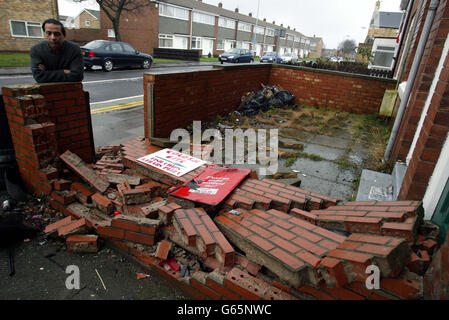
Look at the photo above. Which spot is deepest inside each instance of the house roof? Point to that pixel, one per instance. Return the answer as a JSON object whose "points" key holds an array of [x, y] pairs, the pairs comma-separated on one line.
{"points": [[95, 13], [201, 6], [388, 20]]}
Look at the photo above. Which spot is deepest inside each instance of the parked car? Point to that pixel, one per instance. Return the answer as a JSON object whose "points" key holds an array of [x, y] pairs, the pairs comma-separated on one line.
{"points": [[236, 55], [289, 58], [112, 54], [270, 57], [336, 59]]}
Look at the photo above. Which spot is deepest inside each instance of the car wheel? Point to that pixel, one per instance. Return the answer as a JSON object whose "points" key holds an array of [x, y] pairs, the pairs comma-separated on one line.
{"points": [[221, 62], [146, 64], [237, 61], [108, 65]]}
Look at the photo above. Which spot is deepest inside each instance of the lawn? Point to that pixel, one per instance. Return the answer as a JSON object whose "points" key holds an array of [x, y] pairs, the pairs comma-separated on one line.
{"points": [[14, 60]]}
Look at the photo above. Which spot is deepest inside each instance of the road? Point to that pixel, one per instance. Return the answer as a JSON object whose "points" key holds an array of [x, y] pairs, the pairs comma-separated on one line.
{"points": [[107, 88]]}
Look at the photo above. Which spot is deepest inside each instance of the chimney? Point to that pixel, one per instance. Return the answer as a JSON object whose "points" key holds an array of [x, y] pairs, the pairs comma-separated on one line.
{"points": [[282, 25], [264, 19], [236, 10], [250, 14], [288, 27], [220, 5], [274, 22], [294, 29]]}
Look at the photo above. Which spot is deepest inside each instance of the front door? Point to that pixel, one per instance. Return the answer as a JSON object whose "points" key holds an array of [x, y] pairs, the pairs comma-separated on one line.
{"points": [[208, 46], [441, 215]]}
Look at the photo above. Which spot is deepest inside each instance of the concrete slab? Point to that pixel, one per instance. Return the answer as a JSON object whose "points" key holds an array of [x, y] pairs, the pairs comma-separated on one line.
{"points": [[328, 141], [322, 169], [327, 153], [348, 176], [375, 186]]}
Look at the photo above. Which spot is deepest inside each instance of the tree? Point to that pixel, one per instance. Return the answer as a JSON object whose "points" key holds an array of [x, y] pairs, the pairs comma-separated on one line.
{"points": [[347, 46], [366, 53], [114, 8]]}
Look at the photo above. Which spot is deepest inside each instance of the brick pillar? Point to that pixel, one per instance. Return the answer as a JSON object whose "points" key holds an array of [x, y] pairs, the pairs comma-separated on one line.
{"points": [[45, 120]]}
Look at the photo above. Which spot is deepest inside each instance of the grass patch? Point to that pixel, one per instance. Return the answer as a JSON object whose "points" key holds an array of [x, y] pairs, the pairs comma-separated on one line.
{"points": [[159, 60], [14, 59], [290, 161], [311, 156]]}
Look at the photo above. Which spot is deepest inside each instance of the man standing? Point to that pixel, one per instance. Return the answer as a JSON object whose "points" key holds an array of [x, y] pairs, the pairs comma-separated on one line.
{"points": [[56, 60]]}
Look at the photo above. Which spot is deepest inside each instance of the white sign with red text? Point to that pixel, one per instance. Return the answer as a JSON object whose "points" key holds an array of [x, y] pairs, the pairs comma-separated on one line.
{"points": [[173, 162]]}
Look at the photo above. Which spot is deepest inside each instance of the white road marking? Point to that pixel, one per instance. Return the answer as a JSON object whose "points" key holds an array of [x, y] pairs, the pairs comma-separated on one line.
{"points": [[112, 80]]}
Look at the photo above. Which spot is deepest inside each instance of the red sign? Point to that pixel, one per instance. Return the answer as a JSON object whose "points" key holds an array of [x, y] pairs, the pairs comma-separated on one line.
{"points": [[212, 185]]}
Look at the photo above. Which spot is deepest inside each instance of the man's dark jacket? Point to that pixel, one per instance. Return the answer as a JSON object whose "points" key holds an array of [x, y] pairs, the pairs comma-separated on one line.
{"points": [[69, 57]]}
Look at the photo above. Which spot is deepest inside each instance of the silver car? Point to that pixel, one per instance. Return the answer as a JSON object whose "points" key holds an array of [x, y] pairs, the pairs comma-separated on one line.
{"points": [[289, 58]]}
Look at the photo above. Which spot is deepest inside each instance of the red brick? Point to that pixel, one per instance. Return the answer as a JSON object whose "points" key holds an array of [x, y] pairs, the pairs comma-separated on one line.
{"points": [[286, 258], [58, 224], [369, 239], [222, 290], [309, 258], [121, 222], [303, 215], [350, 256], [62, 185], [110, 232], [336, 270], [163, 249], [375, 249], [82, 243], [261, 243], [205, 290], [72, 227], [105, 205], [139, 238]]}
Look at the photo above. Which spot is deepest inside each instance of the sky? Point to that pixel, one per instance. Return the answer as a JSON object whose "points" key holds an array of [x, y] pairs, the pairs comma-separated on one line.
{"points": [[332, 20]]}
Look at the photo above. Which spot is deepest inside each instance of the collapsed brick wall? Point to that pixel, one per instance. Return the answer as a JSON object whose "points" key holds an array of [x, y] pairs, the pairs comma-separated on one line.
{"points": [[46, 120], [179, 98]]}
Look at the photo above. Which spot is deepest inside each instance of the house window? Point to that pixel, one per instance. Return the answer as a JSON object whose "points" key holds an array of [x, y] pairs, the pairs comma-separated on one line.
{"points": [[242, 45], [111, 33], [173, 12], [220, 45], [165, 41], [244, 27], [25, 29], [259, 30], [180, 42], [226, 23], [87, 23], [270, 32], [196, 43], [203, 18]]}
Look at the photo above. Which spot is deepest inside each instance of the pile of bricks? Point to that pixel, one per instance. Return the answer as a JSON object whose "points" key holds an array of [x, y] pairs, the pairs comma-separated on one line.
{"points": [[267, 240]]}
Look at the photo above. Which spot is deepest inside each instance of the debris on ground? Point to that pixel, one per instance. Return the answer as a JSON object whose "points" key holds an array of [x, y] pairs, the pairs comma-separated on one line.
{"points": [[265, 235], [268, 98]]}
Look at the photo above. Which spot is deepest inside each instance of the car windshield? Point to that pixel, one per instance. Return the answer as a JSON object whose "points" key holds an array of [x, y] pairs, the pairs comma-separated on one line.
{"points": [[287, 54], [94, 44], [270, 54], [234, 51]]}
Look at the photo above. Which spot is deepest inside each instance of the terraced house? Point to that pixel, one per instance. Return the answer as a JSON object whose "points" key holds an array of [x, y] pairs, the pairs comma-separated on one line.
{"points": [[192, 24]]}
